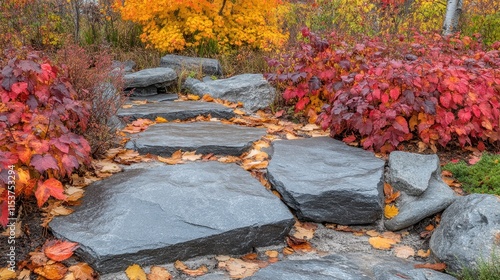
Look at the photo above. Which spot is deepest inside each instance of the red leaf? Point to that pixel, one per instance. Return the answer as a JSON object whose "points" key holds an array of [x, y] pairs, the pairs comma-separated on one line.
{"points": [[69, 163], [445, 99], [394, 93], [43, 162], [58, 250], [50, 187], [401, 124], [302, 103]]}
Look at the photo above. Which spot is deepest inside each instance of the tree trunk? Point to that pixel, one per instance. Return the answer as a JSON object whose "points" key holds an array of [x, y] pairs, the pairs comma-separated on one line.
{"points": [[77, 7], [453, 11]]}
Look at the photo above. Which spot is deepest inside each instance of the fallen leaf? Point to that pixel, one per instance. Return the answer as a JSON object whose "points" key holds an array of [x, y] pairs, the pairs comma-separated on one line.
{"points": [[390, 194], [446, 173], [126, 106], [434, 266], [256, 155], [239, 112], [372, 233], [174, 159], [273, 128], [160, 120], [260, 144], [381, 243], [396, 237], [290, 136], [6, 274], [251, 164], [429, 227], [424, 254], [239, 269], [279, 113], [193, 97], [58, 250], [55, 271], [310, 127], [82, 271], [61, 211], [207, 98], [474, 159], [404, 252], [140, 102], [272, 253], [106, 166], [74, 193], [202, 270], [304, 230], [391, 211], [159, 273], [38, 259], [49, 187], [288, 251], [298, 244], [17, 230], [25, 274], [191, 156], [229, 159], [135, 272]]}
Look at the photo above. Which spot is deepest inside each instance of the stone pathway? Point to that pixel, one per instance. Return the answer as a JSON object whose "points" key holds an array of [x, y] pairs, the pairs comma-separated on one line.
{"points": [[153, 214]]}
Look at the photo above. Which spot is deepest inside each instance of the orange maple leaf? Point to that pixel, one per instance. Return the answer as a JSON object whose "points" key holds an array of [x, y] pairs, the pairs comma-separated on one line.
{"points": [[58, 250], [50, 187]]}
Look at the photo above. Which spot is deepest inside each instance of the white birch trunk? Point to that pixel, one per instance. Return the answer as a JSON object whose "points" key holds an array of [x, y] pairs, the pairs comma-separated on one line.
{"points": [[453, 11]]}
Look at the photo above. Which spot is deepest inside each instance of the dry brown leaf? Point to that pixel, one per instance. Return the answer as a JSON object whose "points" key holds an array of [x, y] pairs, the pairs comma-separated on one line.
{"points": [[298, 244], [404, 252], [272, 253], [106, 166], [135, 272], [434, 266], [291, 136], [250, 257], [25, 274], [310, 127], [381, 243], [424, 254], [191, 156], [392, 235], [229, 159], [429, 227], [161, 120], [17, 227], [250, 164], [82, 271], [202, 270], [140, 102], [193, 97], [256, 155], [239, 112], [288, 251], [390, 211], [372, 233], [55, 271], [273, 128], [6, 274], [239, 269], [74, 193], [261, 144], [38, 259], [304, 230], [159, 273], [61, 211], [174, 159], [127, 106]]}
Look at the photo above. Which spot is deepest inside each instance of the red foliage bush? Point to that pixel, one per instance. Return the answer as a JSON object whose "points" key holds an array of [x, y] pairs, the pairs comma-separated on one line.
{"points": [[383, 91], [39, 114]]}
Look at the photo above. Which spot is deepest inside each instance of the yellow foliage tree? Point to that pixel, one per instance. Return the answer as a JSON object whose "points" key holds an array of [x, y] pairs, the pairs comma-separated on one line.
{"points": [[173, 25]]}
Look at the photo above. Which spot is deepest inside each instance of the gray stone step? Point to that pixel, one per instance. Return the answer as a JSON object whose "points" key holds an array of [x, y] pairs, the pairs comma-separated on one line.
{"points": [[166, 213], [204, 137], [156, 98], [324, 180], [176, 110]]}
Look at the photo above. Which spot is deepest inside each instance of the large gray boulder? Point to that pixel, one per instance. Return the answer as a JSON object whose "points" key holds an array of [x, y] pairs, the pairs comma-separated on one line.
{"points": [[469, 232], [203, 137], [399, 270], [149, 81], [324, 180], [253, 90], [176, 111], [207, 66], [423, 192], [165, 213]]}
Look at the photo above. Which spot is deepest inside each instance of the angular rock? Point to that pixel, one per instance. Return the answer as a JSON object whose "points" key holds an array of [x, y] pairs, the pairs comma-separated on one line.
{"points": [[469, 232], [208, 66], [203, 137], [156, 98], [398, 270], [411, 173], [145, 82], [176, 110], [324, 180], [125, 67], [251, 89], [327, 268], [413, 209], [167, 213]]}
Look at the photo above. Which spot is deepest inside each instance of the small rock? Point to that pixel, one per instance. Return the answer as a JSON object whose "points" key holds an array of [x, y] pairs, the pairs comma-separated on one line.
{"points": [[203, 137], [126, 67], [411, 172], [325, 180], [469, 232], [251, 89], [413, 209], [146, 81], [208, 66]]}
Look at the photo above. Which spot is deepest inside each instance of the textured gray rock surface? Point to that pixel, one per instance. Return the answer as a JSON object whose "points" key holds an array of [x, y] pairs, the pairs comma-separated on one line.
{"points": [[146, 81], [126, 67], [168, 213], [176, 110], [398, 270], [411, 173], [330, 267], [156, 98], [413, 209], [324, 180], [204, 137], [207, 66], [251, 89], [468, 231]]}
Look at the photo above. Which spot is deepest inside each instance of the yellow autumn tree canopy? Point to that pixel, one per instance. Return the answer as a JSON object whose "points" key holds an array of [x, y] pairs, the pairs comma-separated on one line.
{"points": [[173, 25]]}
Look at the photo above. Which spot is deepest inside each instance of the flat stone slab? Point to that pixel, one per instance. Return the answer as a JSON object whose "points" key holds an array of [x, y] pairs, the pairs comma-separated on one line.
{"points": [[203, 137], [162, 97], [176, 110], [149, 77], [166, 213], [207, 66], [324, 180]]}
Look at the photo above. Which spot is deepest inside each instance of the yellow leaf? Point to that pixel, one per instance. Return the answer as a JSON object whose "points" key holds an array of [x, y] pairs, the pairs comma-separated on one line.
{"points": [[127, 106], [5, 273], [193, 97], [381, 243], [135, 272], [372, 233], [391, 211], [424, 254], [272, 254], [174, 159], [161, 120], [239, 112], [404, 252], [159, 273]]}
